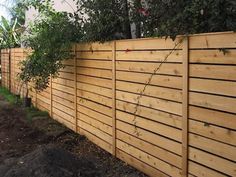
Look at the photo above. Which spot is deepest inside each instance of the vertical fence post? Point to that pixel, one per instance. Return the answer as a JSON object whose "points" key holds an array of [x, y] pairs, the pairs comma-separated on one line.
{"points": [[36, 105], [185, 92], [12, 72], [51, 101], [1, 66], [75, 88], [9, 70], [114, 99]]}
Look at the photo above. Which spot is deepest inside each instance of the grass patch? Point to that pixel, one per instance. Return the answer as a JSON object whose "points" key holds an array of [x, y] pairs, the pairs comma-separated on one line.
{"points": [[8, 95], [32, 113]]}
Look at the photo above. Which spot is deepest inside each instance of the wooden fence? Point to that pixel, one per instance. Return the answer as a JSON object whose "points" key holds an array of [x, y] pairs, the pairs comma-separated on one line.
{"points": [[166, 107]]}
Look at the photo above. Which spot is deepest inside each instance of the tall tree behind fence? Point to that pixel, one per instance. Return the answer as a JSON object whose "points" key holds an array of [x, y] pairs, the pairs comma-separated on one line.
{"points": [[165, 107]]}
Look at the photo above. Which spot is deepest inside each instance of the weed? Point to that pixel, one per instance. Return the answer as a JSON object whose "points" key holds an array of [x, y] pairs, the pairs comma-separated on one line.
{"points": [[8, 95]]}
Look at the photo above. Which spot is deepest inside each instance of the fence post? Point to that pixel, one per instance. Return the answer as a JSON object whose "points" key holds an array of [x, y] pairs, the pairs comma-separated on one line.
{"points": [[50, 96], [114, 99], [36, 105], [75, 88], [9, 70], [185, 108], [12, 72]]}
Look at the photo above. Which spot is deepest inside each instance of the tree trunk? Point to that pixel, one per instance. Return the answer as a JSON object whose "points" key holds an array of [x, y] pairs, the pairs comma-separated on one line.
{"points": [[127, 28], [138, 5]]}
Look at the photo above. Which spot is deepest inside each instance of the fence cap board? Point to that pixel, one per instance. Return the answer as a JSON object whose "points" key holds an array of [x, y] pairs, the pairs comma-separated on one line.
{"points": [[149, 44], [96, 46], [211, 41]]}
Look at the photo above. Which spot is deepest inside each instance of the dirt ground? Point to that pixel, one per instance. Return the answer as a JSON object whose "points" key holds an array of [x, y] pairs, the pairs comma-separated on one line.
{"points": [[41, 147]]}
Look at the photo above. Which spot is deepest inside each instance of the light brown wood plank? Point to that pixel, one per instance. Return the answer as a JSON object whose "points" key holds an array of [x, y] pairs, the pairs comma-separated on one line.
{"points": [[96, 46], [219, 40], [149, 125], [139, 165], [201, 171], [95, 72], [157, 140], [154, 91], [227, 88], [62, 114], [213, 56], [213, 102], [155, 103], [93, 122], [150, 149], [152, 114], [224, 72], [95, 115], [154, 56], [158, 80], [213, 117], [147, 44], [164, 68], [63, 121], [95, 106], [65, 82], [95, 89], [94, 64], [62, 106], [212, 161], [217, 133], [94, 97], [102, 135], [149, 159], [63, 88], [99, 142], [61, 99], [95, 81], [214, 147], [64, 75], [94, 55]]}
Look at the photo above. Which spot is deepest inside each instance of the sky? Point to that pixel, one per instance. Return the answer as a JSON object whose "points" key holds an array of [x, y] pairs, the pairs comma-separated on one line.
{"points": [[3, 10]]}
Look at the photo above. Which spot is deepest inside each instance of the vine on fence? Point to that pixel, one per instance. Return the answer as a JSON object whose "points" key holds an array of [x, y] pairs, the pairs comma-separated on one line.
{"points": [[148, 83]]}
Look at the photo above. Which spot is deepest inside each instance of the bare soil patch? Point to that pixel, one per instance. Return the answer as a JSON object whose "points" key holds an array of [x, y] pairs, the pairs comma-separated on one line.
{"points": [[41, 147]]}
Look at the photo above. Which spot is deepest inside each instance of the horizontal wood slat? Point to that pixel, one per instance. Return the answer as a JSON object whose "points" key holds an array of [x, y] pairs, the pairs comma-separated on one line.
{"points": [[150, 56]]}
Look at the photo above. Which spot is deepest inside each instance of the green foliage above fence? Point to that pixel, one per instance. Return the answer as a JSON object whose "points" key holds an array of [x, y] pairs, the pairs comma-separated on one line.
{"points": [[50, 39], [170, 18], [112, 19]]}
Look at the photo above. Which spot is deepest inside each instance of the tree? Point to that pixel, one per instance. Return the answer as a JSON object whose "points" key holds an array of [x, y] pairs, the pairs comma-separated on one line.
{"points": [[9, 34], [11, 30], [104, 19], [50, 37], [18, 12], [170, 18]]}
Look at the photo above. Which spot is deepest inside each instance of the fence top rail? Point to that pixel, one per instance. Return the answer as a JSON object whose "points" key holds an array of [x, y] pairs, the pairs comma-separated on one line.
{"points": [[197, 41], [212, 40], [179, 36]]}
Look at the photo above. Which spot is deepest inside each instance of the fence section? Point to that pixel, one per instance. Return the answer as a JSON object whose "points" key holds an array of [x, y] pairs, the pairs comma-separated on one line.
{"points": [[150, 73], [212, 100], [165, 107], [94, 93], [5, 69]]}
